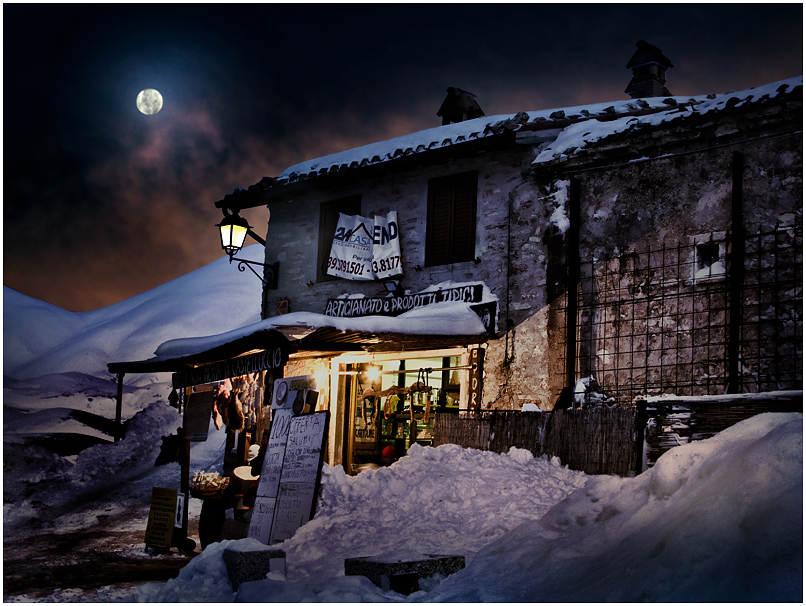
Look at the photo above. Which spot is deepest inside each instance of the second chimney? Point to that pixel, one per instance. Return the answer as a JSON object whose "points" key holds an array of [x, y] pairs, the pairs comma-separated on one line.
{"points": [[648, 66], [459, 105]]}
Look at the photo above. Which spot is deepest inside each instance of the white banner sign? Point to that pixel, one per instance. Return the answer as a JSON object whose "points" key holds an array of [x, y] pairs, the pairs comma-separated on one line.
{"points": [[365, 249]]}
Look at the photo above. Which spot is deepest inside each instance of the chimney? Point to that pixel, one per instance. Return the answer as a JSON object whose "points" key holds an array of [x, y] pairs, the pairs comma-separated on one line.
{"points": [[459, 105], [648, 72]]}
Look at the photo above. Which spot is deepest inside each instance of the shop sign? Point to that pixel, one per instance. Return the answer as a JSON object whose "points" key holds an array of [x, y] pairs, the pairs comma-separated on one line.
{"points": [[396, 305], [273, 358], [294, 393], [365, 248], [164, 510], [197, 415], [476, 374]]}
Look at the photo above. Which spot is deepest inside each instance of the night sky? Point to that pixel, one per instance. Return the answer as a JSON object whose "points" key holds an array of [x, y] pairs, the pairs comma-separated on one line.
{"points": [[102, 202]]}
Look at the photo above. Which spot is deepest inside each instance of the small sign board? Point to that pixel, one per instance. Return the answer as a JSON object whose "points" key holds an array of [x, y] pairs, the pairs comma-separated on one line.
{"points": [[476, 378], [198, 411], [161, 516], [290, 475], [289, 390]]}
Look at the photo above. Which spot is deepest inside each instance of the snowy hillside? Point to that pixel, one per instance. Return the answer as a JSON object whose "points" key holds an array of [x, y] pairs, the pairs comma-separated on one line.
{"points": [[41, 339]]}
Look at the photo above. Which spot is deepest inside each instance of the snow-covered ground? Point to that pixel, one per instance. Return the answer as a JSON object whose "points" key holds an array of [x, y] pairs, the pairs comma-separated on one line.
{"points": [[716, 520], [713, 520]]}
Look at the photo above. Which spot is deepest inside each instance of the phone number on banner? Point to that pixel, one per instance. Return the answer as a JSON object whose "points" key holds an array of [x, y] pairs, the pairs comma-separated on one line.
{"points": [[387, 264], [347, 267]]}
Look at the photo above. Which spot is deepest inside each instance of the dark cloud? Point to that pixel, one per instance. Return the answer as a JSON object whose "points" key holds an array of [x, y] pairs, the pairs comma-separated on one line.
{"points": [[101, 202]]}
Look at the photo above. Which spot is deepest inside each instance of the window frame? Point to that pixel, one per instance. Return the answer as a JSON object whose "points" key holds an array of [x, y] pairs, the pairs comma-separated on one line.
{"points": [[698, 243]]}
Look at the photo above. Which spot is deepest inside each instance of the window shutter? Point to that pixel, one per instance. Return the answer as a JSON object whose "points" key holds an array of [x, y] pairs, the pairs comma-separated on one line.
{"points": [[464, 218], [451, 219]]}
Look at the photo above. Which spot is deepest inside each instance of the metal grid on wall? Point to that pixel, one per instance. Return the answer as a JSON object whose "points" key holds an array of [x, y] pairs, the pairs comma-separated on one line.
{"points": [[659, 320]]}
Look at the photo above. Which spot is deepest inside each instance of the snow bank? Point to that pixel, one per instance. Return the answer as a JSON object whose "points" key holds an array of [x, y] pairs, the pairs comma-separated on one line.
{"points": [[715, 520], [446, 500], [53, 481]]}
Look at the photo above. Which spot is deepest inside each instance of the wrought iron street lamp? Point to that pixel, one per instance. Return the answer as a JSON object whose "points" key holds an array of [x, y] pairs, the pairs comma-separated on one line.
{"points": [[233, 233], [233, 230]]}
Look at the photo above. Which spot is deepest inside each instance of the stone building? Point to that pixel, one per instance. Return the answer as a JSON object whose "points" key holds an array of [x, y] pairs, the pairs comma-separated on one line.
{"points": [[602, 185], [675, 222]]}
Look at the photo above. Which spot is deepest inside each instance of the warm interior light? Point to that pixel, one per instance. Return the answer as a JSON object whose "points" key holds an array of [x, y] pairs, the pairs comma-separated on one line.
{"points": [[373, 374], [233, 233]]}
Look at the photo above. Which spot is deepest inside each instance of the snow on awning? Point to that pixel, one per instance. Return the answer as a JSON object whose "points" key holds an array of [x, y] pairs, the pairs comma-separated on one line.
{"points": [[434, 326]]}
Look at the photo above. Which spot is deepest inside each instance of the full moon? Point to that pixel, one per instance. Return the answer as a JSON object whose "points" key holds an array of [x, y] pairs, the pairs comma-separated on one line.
{"points": [[149, 101]]}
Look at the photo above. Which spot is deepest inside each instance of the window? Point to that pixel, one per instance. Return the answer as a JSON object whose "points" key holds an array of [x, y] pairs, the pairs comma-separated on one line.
{"points": [[328, 221], [450, 232], [708, 262]]}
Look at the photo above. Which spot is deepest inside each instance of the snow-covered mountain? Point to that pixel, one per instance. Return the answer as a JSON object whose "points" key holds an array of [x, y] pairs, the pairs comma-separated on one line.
{"points": [[41, 339]]}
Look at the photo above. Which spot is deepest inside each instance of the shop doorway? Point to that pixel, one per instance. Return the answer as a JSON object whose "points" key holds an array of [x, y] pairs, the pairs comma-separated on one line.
{"points": [[391, 402]]}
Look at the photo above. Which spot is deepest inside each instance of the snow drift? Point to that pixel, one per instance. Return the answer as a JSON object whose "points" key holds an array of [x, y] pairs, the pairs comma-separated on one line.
{"points": [[715, 520]]}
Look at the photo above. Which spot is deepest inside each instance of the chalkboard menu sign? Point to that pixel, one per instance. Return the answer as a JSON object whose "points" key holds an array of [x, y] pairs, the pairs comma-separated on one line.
{"points": [[290, 475]]}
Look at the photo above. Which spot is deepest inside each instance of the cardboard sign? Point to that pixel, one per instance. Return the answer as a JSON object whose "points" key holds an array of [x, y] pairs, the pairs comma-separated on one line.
{"points": [[290, 476], [275, 453], [293, 509], [198, 410], [161, 516]]}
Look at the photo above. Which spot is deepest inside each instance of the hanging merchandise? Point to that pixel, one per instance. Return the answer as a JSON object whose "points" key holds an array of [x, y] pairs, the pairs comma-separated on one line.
{"points": [[221, 399], [389, 405], [232, 412]]}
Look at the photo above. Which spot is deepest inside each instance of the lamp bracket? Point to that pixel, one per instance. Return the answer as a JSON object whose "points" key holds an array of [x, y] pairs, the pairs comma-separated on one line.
{"points": [[271, 270]]}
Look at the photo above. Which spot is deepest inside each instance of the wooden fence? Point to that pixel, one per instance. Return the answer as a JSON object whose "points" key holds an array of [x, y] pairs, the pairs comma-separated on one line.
{"points": [[593, 440]]}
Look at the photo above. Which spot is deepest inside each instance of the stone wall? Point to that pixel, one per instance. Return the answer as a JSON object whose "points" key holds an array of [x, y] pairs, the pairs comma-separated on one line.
{"points": [[522, 218]]}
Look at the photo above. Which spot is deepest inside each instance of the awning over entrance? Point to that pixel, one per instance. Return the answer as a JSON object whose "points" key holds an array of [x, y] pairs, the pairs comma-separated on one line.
{"points": [[435, 327]]}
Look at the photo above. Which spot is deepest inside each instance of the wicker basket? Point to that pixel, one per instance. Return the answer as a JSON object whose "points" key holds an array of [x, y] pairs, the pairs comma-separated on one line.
{"points": [[209, 493]]}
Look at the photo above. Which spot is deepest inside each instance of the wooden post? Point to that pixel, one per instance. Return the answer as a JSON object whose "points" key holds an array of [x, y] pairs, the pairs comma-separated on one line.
{"points": [[641, 419], [184, 487], [572, 279], [119, 408], [736, 273]]}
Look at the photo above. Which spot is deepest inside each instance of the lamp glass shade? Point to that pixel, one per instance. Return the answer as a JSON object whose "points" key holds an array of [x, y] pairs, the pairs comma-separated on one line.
{"points": [[233, 233]]}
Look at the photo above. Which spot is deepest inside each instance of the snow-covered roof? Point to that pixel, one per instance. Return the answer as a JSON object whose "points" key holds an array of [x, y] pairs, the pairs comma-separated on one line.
{"points": [[577, 136], [581, 125]]}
